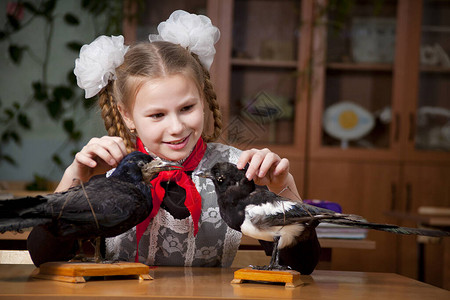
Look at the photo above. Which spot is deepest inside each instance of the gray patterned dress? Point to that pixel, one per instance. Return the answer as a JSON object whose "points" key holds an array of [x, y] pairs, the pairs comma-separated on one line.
{"points": [[171, 242]]}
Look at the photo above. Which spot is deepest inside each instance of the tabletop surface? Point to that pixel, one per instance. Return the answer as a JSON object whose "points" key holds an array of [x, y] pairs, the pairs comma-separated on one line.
{"points": [[214, 283]]}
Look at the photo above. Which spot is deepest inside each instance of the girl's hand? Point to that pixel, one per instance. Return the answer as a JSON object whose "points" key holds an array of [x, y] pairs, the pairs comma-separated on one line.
{"points": [[97, 157], [266, 168]]}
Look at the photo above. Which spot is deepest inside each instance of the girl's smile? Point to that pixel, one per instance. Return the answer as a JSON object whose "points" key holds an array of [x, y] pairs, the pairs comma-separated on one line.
{"points": [[179, 144], [168, 116]]}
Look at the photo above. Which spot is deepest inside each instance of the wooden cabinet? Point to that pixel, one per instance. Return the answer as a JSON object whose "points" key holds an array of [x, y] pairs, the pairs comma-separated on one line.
{"points": [[405, 92], [367, 189], [423, 184]]}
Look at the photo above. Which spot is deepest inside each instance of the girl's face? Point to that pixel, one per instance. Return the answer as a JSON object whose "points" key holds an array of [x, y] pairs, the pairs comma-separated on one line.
{"points": [[168, 116]]}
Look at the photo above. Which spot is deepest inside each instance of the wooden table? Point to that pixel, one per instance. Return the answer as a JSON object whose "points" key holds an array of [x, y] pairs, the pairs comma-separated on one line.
{"points": [[214, 283]]}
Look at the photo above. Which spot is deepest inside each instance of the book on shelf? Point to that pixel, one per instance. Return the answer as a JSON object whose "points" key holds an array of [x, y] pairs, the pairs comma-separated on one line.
{"points": [[335, 231]]}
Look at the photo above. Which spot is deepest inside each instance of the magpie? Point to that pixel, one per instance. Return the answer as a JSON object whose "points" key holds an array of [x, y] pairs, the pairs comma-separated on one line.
{"points": [[264, 215], [102, 207]]}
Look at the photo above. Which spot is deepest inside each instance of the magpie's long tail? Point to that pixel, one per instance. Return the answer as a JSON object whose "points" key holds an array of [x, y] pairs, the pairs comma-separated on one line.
{"points": [[356, 221]]}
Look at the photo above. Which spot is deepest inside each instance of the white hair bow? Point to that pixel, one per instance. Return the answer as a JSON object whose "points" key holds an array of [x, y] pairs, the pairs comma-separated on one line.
{"points": [[191, 31]]}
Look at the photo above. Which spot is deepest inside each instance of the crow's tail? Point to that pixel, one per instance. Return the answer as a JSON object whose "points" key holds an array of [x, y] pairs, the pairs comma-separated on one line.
{"points": [[13, 208], [18, 224], [355, 221]]}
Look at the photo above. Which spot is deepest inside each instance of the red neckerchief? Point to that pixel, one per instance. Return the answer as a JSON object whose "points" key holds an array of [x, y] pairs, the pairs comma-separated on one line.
{"points": [[193, 201]]}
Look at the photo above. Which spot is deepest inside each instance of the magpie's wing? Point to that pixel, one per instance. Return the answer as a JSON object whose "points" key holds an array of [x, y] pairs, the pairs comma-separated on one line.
{"points": [[279, 211], [266, 207]]}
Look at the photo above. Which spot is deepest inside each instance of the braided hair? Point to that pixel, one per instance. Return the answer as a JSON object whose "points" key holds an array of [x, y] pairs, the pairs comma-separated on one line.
{"points": [[145, 61]]}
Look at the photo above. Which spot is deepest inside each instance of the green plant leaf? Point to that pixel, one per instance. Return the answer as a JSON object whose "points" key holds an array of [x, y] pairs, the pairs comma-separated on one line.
{"points": [[85, 4], [16, 53], [55, 108], [74, 46], [57, 160], [8, 159], [40, 93], [95, 7], [2, 35], [62, 92], [89, 103], [9, 113], [30, 7], [72, 78], [71, 19], [40, 183], [69, 125], [49, 6], [11, 135], [15, 137], [24, 121], [76, 135], [5, 137], [15, 24]]}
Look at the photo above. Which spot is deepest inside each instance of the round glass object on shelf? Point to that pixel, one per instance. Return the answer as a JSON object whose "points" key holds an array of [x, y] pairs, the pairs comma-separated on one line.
{"points": [[347, 121]]}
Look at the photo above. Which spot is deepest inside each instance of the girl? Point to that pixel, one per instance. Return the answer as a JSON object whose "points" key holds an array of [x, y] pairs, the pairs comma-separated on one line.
{"points": [[153, 98]]}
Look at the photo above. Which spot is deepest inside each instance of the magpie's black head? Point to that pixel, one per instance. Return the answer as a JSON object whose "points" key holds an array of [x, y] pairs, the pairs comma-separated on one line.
{"points": [[138, 166], [228, 179]]}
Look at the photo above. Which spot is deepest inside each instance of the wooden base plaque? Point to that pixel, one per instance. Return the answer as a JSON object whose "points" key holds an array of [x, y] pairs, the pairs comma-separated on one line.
{"points": [[289, 277], [75, 272]]}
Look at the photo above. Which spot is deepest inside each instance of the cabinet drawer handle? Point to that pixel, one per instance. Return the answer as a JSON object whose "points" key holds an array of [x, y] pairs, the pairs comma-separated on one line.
{"points": [[393, 195], [408, 197], [412, 127], [397, 127]]}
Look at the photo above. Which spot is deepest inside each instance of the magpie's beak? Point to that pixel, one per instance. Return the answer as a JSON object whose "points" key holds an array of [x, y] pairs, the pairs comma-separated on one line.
{"points": [[204, 174]]}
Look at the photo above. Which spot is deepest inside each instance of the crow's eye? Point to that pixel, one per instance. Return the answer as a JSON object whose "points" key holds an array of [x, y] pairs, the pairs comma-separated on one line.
{"points": [[140, 164]]}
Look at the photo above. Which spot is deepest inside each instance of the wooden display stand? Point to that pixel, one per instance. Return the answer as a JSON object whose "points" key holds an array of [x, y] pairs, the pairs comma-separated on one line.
{"points": [[289, 277], [75, 272]]}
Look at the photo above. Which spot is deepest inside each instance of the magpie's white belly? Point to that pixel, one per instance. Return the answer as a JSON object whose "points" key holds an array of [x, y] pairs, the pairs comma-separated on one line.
{"points": [[255, 226]]}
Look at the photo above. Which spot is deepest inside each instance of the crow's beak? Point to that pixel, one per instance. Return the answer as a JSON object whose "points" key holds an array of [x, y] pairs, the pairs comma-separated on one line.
{"points": [[159, 165], [204, 174], [152, 168]]}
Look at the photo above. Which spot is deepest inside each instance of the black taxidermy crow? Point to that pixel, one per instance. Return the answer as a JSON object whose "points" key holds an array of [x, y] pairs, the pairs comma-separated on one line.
{"points": [[264, 215], [102, 207]]}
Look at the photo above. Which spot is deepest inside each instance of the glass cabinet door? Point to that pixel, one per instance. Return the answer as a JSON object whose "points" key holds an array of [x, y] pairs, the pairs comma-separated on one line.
{"points": [[263, 84], [356, 108], [432, 127]]}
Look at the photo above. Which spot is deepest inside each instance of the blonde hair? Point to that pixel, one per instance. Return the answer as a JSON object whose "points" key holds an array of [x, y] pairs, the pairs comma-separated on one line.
{"points": [[145, 61]]}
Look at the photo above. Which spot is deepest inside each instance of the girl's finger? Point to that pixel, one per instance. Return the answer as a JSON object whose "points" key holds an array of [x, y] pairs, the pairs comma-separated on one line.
{"points": [[270, 161]]}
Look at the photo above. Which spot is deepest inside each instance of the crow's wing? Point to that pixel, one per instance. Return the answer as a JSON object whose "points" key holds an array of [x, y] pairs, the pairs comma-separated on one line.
{"points": [[103, 206], [108, 207]]}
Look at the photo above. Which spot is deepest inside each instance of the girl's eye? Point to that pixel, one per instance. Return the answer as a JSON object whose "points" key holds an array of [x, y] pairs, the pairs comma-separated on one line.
{"points": [[187, 108], [157, 116]]}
